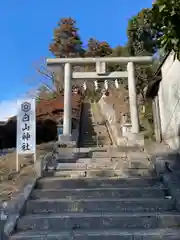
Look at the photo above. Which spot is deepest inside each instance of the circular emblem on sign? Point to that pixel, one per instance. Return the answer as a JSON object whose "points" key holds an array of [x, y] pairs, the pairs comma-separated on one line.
{"points": [[26, 106]]}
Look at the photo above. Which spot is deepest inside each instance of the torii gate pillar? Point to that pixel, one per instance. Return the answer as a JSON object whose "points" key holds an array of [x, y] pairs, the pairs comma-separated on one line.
{"points": [[67, 121], [133, 98]]}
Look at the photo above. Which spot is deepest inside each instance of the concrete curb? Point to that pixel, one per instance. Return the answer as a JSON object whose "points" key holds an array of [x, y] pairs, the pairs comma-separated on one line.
{"points": [[160, 165], [166, 167], [15, 209], [171, 181], [166, 162]]}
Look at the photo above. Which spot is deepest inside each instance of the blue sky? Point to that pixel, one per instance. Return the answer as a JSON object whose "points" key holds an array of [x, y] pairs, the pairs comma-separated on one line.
{"points": [[27, 29]]}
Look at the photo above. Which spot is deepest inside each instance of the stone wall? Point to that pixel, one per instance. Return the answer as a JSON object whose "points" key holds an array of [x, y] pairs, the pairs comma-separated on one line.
{"points": [[169, 101]]}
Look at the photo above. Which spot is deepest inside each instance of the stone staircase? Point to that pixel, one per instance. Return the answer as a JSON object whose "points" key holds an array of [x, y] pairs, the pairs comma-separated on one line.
{"points": [[93, 130], [128, 204], [88, 137]]}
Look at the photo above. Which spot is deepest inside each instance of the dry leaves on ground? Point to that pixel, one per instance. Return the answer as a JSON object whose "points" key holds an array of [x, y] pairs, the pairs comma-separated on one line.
{"points": [[12, 182]]}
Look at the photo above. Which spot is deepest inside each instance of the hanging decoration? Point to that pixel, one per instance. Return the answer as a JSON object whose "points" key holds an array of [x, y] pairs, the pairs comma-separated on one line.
{"points": [[106, 85], [96, 85], [116, 83], [84, 86]]}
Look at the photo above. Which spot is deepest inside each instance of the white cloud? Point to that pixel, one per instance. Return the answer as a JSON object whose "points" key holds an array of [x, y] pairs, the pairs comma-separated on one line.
{"points": [[7, 109]]}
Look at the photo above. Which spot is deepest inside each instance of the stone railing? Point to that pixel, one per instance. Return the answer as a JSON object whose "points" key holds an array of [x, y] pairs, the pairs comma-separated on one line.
{"points": [[110, 116], [120, 132]]}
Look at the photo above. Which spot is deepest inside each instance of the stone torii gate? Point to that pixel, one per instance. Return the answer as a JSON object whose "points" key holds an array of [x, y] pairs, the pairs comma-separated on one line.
{"points": [[64, 66]]}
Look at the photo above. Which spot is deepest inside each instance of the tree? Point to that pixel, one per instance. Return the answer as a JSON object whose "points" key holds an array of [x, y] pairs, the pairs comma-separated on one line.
{"points": [[97, 48], [44, 93], [44, 84], [92, 48], [142, 41], [142, 34], [167, 12], [45, 77], [66, 42], [119, 51], [104, 49]]}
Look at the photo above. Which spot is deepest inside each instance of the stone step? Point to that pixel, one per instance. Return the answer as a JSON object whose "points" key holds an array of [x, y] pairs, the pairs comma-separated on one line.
{"points": [[84, 165], [119, 154], [113, 149], [145, 234], [98, 221], [73, 194], [98, 205], [119, 164], [138, 155], [90, 141], [113, 152], [110, 148], [106, 154], [87, 163], [85, 160], [59, 183], [103, 172], [67, 156], [95, 148], [89, 144]]}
